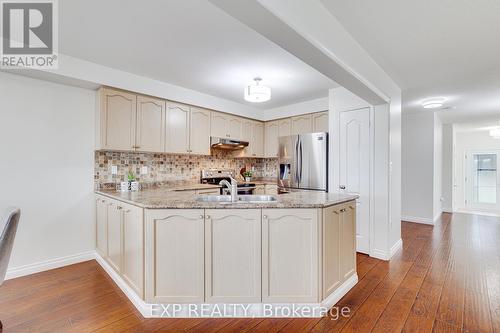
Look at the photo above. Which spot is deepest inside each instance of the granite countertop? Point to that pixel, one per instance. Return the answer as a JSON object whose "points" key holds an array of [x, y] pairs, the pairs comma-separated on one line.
{"points": [[159, 198]]}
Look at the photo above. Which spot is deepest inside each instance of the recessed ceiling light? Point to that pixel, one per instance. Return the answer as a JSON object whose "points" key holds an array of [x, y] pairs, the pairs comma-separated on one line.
{"points": [[433, 103], [257, 93]]}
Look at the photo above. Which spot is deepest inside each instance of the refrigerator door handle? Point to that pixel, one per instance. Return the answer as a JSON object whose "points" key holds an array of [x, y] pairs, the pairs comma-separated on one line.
{"points": [[295, 160], [300, 154]]}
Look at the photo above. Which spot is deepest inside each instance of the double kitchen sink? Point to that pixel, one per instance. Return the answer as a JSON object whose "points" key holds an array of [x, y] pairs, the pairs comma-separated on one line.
{"points": [[239, 199]]}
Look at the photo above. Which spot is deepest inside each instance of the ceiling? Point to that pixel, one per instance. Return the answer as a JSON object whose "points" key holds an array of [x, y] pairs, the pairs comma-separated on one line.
{"points": [[192, 44], [446, 48]]}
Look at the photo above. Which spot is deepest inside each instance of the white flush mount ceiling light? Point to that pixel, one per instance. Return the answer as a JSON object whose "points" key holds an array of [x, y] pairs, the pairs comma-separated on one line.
{"points": [[257, 93], [433, 103], [495, 133]]}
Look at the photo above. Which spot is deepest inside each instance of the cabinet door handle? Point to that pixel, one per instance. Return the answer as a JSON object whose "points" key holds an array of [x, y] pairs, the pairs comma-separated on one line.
{"points": [[336, 212], [201, 217], [127, 211], [208, 216], [103, 201], [119, 208], [351, 207], [342, 210], [264, 217]]}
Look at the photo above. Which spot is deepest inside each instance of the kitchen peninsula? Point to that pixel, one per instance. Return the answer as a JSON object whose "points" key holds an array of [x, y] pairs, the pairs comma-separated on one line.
{"points": [[166, 247]]}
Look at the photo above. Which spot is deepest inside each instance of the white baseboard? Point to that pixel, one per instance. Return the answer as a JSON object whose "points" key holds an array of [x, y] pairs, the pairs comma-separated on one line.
{"points": [[253, 310], [387, 255], [416, 219], [41, 266], [396, 247], [340, 292], [141, 306], [437, 217]]}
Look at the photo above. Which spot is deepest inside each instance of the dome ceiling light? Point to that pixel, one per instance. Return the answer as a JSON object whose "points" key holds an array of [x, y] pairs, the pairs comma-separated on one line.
{"points": [[495, 133], [257, 93], [433, 103]]}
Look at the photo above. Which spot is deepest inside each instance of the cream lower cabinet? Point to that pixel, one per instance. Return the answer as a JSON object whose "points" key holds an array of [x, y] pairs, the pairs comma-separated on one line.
{"points": [[133, 248], [174, 256], [115, 232], [290, 255], [232, 255], [339, 245], [332, 278], [102, 226], [119, 234], [348, 240]]}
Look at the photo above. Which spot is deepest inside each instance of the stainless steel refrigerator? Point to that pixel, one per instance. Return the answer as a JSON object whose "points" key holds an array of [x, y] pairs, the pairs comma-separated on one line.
{"points": [[303, 162]]}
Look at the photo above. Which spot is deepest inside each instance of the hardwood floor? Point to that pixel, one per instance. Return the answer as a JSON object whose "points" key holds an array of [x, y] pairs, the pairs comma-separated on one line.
{"points": [[446, 279]]}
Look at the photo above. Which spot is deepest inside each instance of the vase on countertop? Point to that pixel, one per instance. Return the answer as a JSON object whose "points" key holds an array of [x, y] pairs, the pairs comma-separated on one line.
{"points": [[248, 179]]}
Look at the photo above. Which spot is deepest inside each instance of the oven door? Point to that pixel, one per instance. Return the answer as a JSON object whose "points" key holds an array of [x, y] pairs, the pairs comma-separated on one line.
{"points": [[246, 190]]}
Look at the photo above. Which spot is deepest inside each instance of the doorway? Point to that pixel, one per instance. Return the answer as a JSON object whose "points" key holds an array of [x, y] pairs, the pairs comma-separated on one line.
{"points": [[482, 180], [355, 168]]}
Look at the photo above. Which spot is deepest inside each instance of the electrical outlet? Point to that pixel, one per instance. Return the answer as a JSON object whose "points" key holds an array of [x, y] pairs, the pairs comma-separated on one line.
{"points": [[114, 170], [144, 170]]}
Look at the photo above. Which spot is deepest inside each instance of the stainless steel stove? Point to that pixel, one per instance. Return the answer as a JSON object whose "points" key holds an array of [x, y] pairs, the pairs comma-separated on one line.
{"points": [[214, 176]]}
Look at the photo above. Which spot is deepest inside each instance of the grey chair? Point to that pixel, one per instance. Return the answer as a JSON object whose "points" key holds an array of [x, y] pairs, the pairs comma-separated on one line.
{"points": [[8, 233]]}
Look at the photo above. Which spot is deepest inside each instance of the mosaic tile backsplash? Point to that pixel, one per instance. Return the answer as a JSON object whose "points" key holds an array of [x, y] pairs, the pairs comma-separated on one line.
{"points": [[166, 168]]}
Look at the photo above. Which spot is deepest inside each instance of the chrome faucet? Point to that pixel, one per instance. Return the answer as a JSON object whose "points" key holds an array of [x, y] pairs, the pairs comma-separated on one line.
{"points": [[232, 187]]}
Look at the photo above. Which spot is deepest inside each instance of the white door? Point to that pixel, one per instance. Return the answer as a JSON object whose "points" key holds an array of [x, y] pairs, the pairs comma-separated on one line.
{"points": [[355, 169], [482, 180]]}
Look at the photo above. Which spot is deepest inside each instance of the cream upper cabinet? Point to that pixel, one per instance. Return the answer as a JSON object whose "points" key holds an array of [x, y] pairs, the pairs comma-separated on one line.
{"points": [[257, 139], [226, 126], [290, 254], [232, 255], [177, 125], [331, 249], [117, 119], [320, 122], [133, 248], [301, 124], [199, 131], [284, 127], [102, 226], [150, 124], [246, 130], [271, 138], [114, 233], [235, 127], [348, 240], [219, 126], [174, 256]]}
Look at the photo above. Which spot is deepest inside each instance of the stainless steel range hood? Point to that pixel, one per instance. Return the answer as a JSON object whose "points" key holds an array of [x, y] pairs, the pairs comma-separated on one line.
{"points": [[227, 144]]}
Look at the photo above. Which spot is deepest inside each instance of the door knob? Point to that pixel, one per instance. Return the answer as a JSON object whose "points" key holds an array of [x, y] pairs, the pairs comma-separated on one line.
{"points": [[342, 187]]}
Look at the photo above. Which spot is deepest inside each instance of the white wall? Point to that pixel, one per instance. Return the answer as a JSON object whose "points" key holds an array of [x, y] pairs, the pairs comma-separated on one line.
{"points": [[47, 166], [467, 141], [438, 167], [418, 167], [447, 170]]}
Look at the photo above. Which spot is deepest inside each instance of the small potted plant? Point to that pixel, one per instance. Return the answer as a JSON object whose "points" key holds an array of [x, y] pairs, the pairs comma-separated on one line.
{"points": [[133, 184], [247, 175]]}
